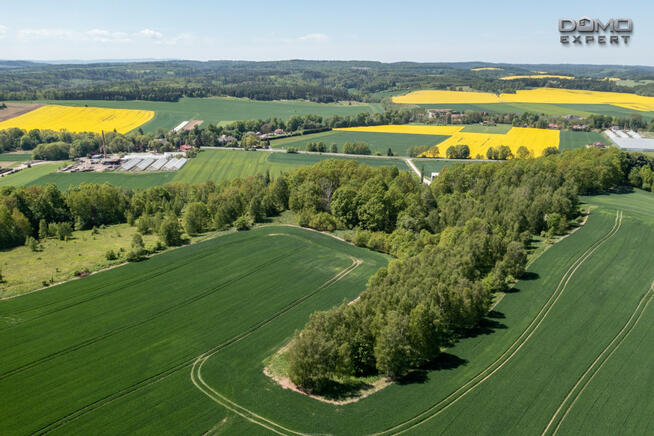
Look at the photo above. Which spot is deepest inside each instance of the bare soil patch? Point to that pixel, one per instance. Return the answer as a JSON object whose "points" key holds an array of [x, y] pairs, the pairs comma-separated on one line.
{"points": [[192, 124], [15, 109]]}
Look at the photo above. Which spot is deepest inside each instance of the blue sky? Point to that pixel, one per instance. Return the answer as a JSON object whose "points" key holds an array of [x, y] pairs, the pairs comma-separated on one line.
{"points": [[493, 30]]}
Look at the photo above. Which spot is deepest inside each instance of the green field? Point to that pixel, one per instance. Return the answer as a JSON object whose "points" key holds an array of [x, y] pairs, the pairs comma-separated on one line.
{"points": [[379, 142], [28, 176], [224, 109], [479, 128], [176, 344], [582, 110], [215, 165], [104, 345], [24, 270], [570, 140], [437, 165], [15, 157]]}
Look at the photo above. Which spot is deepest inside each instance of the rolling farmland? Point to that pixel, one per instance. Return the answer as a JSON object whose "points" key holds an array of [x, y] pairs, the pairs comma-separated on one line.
{"points": [[223, 110], [234, 290], [216, 165], [154, 363], [477, 140], [549, 101], [79, 119]]}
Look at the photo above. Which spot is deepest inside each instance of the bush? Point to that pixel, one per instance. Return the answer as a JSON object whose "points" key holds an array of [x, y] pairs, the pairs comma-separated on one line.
{"points": [[170, 231], [53, 151], [244, 222], [196, 218], [323, 221], [64, 231]]}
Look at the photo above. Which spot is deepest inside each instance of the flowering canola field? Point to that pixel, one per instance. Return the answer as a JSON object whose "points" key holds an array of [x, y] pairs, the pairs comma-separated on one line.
{"points": [[537, 76], [79, 119], [538, 95], [535, 140]]}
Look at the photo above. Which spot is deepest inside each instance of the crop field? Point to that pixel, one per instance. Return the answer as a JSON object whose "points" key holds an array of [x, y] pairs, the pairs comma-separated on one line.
{"points": [[379, 142], [537, 76], [437, 165], [216, 165], [28, 176], [79, 119], [478, 128], [15, 157], [536, 140], [570, 140], [541, 100], [177, 343], [103, 345], [224, 110]]}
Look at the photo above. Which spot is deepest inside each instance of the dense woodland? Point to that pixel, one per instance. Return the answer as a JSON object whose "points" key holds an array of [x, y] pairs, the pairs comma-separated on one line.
{"points": [[320, 81]]}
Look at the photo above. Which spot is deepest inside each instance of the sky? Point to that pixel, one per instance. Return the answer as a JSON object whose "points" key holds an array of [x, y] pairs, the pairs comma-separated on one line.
{"points": [[421, 31]]}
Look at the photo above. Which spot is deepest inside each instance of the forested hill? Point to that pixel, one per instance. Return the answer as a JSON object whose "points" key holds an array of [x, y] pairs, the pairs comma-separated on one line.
{"points": [[320, 81]]}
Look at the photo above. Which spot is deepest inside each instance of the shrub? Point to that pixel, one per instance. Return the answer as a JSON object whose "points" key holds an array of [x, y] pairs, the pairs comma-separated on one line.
{"points": [[244, 222]]}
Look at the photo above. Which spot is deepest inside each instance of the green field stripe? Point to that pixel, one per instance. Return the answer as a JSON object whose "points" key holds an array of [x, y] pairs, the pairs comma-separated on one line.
{"points": [[511, 351], [569, 401], [159, 314], [119, 285]]}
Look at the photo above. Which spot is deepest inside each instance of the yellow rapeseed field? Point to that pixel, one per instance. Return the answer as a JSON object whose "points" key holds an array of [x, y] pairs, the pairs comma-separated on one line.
{"points": [[79, 119], [538, 95], [537, 76], [486, 69], [535, 140]]}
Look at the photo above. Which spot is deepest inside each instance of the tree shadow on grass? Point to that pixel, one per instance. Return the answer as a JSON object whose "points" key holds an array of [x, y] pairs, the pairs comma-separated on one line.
{"points": [[443, 362], [343, 390]]}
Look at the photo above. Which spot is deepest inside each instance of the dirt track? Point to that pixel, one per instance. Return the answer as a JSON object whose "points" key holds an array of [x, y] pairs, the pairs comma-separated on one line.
{"points": [[16, 109]]}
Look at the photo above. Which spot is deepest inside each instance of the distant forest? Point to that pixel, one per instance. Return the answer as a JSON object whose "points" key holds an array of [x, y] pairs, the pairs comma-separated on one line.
{"points": [[319, 81]]}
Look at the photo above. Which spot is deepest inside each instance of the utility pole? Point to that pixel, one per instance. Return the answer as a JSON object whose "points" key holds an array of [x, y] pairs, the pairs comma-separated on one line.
{"points": [[104, 146]]}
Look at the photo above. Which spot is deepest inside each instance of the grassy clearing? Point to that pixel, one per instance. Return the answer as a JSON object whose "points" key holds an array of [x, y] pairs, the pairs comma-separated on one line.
{"points": [[379, 142], [56, 261], [28, 176], [126, 180], [115, 348], [223, 109]]}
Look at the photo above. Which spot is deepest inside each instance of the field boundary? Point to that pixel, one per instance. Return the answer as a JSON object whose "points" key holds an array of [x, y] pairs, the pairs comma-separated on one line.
{"points": [[601, 359]]}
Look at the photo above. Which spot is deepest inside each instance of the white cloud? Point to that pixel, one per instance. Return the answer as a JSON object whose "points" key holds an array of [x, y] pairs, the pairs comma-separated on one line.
{"points": [[149, 33], [316, 37], [3, 31], [100, 35], [31, 34]]}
